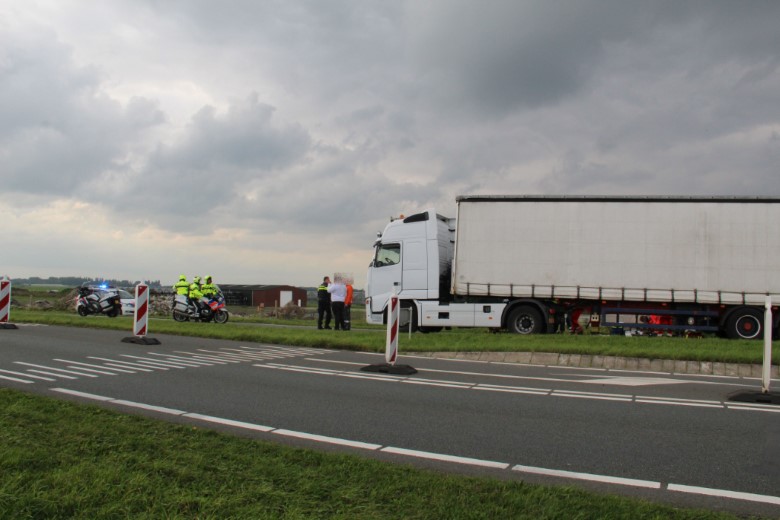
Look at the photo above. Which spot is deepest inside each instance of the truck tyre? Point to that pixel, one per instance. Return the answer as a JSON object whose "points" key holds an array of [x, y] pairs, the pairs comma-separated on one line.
{"points": [[525, 320], [745, 323]]}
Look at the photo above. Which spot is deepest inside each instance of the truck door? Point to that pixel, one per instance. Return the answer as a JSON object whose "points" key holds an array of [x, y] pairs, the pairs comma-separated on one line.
{"points": [[385, 275]]}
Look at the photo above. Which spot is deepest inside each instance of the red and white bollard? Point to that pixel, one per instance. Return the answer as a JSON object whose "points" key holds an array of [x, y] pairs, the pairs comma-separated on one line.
{"points": [[391, 347], [5, 305], [393, 314], [141, 317]]}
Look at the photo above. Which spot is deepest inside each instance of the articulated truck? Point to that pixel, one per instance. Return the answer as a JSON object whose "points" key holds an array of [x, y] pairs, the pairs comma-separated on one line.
{"points": [[543, 264]]}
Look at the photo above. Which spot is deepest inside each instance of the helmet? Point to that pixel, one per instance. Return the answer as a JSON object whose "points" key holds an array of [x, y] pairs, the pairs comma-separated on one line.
{"points": [[196, 279], [182, 278], [208, 278]]}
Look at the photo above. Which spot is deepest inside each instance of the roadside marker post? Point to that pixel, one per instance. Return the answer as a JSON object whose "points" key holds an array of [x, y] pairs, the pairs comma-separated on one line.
{"points": [[391, 343], [141, 318], [5, 305], [766, 374]]}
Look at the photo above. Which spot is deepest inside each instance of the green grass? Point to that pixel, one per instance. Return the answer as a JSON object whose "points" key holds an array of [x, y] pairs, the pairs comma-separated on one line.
{"points": [[459, 340], [63, 460]]}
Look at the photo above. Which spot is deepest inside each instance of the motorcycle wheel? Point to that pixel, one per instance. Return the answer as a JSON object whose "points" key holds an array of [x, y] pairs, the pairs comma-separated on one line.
{"points": [[113, 313], [221, 317], [180, 316], [82, 310]]}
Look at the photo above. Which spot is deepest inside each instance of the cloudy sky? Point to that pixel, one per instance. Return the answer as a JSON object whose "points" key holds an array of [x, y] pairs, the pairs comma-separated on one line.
{"points": [[268, 141]]}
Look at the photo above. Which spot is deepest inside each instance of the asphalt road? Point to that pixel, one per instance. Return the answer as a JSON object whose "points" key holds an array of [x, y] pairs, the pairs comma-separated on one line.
{"points": [[675, 439]]}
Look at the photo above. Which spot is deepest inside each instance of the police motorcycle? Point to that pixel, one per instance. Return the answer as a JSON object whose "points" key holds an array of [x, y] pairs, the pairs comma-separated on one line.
{"points": [[185, 310], [101, 300]]}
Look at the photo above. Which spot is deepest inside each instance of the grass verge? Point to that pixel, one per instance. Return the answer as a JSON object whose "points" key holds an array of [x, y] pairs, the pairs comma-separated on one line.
{"points": [[459, 340], [64, 460]]}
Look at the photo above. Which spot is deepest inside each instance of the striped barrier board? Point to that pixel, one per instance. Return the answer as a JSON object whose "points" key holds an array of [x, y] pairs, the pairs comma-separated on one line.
{"points": [[393, 314], [391, 347], [141, 317], [5, 305]]}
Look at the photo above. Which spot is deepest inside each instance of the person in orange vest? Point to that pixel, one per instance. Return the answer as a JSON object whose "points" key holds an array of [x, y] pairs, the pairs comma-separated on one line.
{"points": [[348, 308]]}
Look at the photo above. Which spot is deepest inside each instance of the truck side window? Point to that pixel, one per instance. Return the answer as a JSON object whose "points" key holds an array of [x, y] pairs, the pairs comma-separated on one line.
{"points": [[387, 254]]}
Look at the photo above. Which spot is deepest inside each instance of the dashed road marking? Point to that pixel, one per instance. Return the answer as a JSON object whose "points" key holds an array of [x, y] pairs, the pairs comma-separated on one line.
{"points": [[151, 362], [442, 457], [574, 394]]}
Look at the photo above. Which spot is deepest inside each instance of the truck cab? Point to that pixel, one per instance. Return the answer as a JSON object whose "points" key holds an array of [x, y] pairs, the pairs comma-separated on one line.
{"points": [[412, 258]]}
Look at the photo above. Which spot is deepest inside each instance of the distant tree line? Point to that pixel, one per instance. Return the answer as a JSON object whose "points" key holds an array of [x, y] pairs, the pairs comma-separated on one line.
{"points": [[78, 280]]}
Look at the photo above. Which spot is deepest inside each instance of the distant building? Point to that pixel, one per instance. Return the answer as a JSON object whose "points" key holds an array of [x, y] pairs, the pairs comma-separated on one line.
{"points": [[265, 295]]}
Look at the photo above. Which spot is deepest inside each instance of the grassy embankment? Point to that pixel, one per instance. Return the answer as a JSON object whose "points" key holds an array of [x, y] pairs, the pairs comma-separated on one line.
{"points": [[62, 460], [304, 333]]}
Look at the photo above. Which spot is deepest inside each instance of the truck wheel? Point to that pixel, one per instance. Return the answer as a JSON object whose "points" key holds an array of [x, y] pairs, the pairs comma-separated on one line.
{"points": [[745, 324], [525, 320]]}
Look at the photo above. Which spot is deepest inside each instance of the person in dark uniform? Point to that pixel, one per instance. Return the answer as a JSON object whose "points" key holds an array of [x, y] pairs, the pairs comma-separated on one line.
{"points": [[323, 304]]}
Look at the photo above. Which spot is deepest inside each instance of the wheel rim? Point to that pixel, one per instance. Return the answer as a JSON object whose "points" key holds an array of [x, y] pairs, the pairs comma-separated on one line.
{"points": [[748, 327], [524, 324]]}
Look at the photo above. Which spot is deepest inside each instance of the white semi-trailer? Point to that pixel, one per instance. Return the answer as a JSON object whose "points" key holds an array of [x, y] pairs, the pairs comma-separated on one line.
{"points": [[533, 264]]}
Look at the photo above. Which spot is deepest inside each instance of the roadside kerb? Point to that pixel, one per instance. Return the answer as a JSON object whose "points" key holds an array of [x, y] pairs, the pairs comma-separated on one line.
{"points": [[610, 362]]}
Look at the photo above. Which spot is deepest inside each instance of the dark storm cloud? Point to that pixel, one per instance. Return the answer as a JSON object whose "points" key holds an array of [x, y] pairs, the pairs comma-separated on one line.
{"points": [[500, 56], [210, 166], [58, 133]]}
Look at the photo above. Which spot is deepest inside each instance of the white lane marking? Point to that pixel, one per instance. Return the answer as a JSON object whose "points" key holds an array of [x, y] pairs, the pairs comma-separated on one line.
{"points": [[329, 440], [63, 376], [90, 365], [738, 495], [52, 368], [82, 365], [224, 355], [557, 393], [85, 395], [626, 398], [633, 381], [654, 398], [588, 476], [25, 374], [677, 403], [515, 389], [182, 360], [102, 372], [149, 364], [114, 366], [774, 409], [179, 360], [150, 407], [445, 385], [446, 458], [15, 380], [228, 422], [155, 362], [200, 357], [723, 493], [226, 359], [319, 360], [601, 380], [116, 362]]}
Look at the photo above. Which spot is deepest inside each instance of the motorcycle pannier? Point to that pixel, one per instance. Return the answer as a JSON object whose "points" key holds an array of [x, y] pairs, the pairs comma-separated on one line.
{"points": [[181, 303]]}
